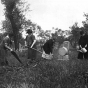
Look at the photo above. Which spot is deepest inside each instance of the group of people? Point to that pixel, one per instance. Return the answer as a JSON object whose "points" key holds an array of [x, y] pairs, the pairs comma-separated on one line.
{"points": [[47, 46]]}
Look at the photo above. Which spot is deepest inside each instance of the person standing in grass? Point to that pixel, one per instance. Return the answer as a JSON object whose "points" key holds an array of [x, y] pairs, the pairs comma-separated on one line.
{"points": [[3, 49], [29, 41], [83, 46]]}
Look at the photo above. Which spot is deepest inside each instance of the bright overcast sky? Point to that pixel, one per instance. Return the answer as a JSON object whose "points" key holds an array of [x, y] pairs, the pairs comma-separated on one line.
{"points": [[56, 13]]}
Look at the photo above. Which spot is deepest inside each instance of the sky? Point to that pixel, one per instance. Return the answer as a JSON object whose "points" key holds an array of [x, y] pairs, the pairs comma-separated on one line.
{"points": [[1, 13], [55, 13], [58, 13]]}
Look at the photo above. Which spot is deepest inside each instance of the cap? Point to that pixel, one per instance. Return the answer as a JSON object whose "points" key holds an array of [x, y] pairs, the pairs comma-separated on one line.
{"points": [[29, 31]]}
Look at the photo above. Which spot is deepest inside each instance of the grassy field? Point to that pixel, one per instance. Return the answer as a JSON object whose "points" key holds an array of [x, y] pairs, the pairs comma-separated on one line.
{"points": [[44, 73]]}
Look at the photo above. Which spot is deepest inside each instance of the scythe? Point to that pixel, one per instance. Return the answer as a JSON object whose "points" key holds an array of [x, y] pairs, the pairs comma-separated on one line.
{"points": [[14, 54]]}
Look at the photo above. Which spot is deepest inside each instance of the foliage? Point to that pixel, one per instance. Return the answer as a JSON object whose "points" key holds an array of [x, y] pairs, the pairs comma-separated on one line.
{"points": [[85, 23], [1, 37], [6, 26], [75, 30], [75, 33], [15, 18]]}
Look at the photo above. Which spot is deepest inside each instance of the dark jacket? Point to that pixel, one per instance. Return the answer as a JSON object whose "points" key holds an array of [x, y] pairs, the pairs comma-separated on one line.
{"points": [[48, 46], [83, 41]]}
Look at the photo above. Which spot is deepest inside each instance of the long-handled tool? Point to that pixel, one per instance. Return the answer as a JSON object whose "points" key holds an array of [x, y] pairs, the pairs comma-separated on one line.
{"points": [[43, 53], [14, 53], [32, 47], [36, 50]]}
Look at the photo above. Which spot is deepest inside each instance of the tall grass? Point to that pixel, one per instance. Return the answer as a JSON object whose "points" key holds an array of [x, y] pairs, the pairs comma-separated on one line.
{"points": [[46, 74]]}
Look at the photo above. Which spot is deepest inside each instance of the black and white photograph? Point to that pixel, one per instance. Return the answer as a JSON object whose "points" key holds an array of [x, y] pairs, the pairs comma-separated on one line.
{"points": [[43, 43]]}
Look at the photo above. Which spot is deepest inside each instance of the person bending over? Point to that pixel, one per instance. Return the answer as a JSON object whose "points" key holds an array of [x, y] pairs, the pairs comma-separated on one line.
{"points": [[48, 46]]}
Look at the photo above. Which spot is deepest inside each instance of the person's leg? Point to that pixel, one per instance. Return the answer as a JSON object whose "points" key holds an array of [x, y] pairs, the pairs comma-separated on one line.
{"points": [[4, 56], [80, 55], [6, 63], [29, 54], [34, 53], [86, 55]]}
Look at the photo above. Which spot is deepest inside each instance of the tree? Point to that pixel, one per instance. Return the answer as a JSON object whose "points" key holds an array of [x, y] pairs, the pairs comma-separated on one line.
{"points": [[75, 33], [14, 18], [6, 26], [85, 23]]}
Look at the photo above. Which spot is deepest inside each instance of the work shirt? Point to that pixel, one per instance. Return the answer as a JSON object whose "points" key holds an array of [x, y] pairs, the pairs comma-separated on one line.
{"points": [[48, 46], [6, 42], [30, 39], [83, 41]]}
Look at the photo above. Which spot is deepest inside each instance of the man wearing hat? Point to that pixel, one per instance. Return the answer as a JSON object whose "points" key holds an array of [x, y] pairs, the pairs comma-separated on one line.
{"points": [[83, 46], [29, 41]]}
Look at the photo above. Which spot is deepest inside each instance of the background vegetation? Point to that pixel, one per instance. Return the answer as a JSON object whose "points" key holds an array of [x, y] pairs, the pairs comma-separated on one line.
{"points": [[42, 73]]}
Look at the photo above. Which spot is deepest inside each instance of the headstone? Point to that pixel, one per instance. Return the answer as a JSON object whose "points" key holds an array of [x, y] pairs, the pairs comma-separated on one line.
{"points": [[67, 44], [64, 58], [63, 51]]}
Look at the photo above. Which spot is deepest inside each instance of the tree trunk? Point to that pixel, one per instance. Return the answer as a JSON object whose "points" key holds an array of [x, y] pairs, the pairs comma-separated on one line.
{"points": [[15, 31]]}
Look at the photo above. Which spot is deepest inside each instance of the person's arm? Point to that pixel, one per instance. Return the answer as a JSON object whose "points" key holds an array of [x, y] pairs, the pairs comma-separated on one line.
{"points": [[33, 41], [86, 41], [27, 41], [80, 43], [50, 45]]}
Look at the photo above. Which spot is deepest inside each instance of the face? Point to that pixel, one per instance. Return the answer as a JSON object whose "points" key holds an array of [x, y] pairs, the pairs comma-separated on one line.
{"points": [[54, 37], [29, 33]]}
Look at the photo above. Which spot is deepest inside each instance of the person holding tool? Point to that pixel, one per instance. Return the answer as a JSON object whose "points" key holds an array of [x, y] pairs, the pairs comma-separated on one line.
{"points": [[30, 43], [5, 46], [83, 46], [3, 49]]}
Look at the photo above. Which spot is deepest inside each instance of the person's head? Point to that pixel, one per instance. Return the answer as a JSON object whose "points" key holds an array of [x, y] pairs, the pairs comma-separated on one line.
{"points": [[53, 36], [82, 33], [29, 31]]}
